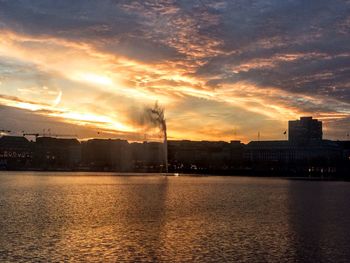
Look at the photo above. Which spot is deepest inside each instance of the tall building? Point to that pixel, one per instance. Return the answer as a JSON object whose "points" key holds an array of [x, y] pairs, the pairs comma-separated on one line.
{"points": [[304, 130]]}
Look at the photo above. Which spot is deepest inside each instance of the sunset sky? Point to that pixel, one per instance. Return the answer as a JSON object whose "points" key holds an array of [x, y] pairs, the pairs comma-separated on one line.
{"points": [[223, 70]]}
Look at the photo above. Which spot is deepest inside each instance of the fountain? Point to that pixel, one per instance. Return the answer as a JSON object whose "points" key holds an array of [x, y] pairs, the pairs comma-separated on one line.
{"points": [[155, 116]]}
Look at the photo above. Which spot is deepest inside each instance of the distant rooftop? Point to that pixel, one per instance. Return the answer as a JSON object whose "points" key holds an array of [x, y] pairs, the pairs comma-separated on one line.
{"points": [[57, 141], [17, 141]]}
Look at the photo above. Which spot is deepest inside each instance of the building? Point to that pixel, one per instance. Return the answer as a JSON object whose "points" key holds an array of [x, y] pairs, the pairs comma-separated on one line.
{"points": [[305, 130], [106, 155], [283, 152], [345, 165], [15, 152], [204, 155], [345, 145], [304, 151], [56, 153], [315, 157], [148, 156]]}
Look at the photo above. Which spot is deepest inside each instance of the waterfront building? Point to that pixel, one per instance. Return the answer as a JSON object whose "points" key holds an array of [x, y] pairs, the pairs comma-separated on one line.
{"points": [[323, 156], [106, 154], [305, 150], [15, 152], [204, 155], [148, 156], [305, 130], [60, 153]]}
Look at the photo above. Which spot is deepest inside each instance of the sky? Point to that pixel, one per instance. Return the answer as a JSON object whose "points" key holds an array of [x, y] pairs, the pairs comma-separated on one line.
{"points": [[223, 70]]}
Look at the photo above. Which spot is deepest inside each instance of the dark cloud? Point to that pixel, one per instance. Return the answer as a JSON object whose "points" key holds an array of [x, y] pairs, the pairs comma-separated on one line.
{"points": [[78, 18], [263, 29], [297, 46], [105, 24], [328, 77]]}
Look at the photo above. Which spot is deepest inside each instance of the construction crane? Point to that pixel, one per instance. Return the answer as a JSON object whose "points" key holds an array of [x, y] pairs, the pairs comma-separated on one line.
{"points": [[49, 135]]}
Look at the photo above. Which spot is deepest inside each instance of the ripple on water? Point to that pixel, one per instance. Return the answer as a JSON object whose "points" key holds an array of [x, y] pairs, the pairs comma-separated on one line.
{"points": [[63, 217]]}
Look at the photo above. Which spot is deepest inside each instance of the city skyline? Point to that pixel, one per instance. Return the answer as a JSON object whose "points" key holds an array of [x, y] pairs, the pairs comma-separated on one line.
{"points": [[222, 71], [304, 153]]}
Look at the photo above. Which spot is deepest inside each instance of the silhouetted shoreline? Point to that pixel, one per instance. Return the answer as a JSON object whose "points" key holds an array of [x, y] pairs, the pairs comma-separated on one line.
{"points": [[304, 154]]}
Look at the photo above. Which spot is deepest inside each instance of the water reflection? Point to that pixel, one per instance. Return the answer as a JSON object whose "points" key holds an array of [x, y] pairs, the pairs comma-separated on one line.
{"points": [[63, 217], [319, 218], [121, 219]]}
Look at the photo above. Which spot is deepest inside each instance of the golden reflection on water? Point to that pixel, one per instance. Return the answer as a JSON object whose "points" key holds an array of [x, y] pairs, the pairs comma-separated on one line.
{"points": [[104, 218]]}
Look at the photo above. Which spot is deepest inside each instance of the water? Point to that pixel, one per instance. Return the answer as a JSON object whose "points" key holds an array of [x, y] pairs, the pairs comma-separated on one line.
{"points": [[52, 217]]}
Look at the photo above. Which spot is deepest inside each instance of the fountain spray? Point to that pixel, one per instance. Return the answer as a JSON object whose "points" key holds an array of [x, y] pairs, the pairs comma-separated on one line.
{"points": [[155, 116]]}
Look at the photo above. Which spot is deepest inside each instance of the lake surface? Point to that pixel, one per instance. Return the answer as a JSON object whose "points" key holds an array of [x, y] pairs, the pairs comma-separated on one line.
{"points": [[77, 217]]}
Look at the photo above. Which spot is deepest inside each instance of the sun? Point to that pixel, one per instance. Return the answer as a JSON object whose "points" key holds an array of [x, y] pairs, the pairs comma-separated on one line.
{"points": [[94, 79]]}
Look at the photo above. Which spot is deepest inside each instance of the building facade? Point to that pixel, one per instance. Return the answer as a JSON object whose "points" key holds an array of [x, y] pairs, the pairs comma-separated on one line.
{"points": [[305, 130]]}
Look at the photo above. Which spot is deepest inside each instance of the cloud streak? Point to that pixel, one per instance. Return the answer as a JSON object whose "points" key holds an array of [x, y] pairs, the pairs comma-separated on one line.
{"points": [[231, 65]]}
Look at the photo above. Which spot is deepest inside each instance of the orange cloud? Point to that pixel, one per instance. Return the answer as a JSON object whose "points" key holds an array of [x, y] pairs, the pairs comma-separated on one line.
{"points": [[129, 82]]}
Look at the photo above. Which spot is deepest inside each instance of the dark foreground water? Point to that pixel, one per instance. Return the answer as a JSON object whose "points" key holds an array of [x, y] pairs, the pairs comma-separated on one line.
{"points": [[55, 217]]}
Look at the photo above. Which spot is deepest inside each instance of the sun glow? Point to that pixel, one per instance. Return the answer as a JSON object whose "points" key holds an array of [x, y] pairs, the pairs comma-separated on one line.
{"points": [[99, 121], [102, 89], [94, 79]]}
